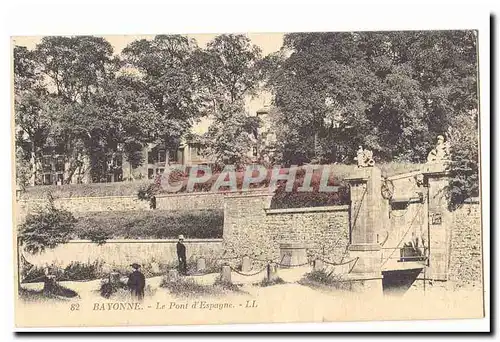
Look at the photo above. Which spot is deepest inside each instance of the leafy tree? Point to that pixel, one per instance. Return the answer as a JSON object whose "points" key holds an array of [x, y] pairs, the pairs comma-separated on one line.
{"points": [[391, 92], [229, 68], [46, 228], [231, 136], [26, 72], [230, 72], [168, 80], [464, 139], [53, 85], [35, 115], [77, 66]]}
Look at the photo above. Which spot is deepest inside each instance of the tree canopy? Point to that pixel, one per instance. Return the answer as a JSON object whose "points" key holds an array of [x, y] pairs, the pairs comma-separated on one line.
{"points": [[391, 92]]}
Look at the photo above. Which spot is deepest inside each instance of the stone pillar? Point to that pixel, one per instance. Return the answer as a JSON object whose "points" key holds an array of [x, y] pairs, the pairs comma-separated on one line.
{"points": [[246, 265], [365, 224], [272, 272], [226, 274], [436, 179], [201, 265], [318, 265]]}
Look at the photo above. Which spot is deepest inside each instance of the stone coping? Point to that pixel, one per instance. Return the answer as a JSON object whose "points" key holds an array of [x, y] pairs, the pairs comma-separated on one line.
{"points": [[151, 241], [294, 245], [364, 247], [405, 175], [75, 198], [220, 193], [134, 197], [270, 211]]}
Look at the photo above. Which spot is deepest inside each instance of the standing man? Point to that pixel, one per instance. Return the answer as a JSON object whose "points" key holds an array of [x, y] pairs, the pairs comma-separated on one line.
{"points": [[181, 255], [136, 282]]}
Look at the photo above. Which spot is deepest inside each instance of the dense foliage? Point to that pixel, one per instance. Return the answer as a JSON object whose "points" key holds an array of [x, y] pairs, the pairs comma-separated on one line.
{"points": [[391, 92], [158, 224], [46, 228]]}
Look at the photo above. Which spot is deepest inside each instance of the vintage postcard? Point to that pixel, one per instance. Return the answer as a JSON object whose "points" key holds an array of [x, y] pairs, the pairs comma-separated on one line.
{"points": [[246, 178]]}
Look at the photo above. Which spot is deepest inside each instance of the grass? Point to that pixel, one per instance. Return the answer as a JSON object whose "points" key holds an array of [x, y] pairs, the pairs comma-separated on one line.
{"points": [[59, 293], [157, 224], [190, 288], [85, 190], [120, 290], [130, 188], [325, 280], [276, 281]]}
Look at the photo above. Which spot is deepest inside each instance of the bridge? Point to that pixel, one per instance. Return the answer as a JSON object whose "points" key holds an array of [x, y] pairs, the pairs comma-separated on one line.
{"points": [[395, 224]]}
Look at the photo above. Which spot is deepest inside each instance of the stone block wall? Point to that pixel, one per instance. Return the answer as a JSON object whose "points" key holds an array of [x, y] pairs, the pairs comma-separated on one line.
{"points": [[466, 246], [83, 204], [251, 228], [200, 200], [124, 252], [124, 203]]}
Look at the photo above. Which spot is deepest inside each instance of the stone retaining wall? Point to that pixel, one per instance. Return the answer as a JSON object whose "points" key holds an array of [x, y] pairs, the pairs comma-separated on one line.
{"points": [[124, 252], [250, 227]]}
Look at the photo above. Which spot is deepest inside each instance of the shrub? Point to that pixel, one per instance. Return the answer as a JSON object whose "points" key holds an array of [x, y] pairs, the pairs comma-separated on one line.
{"points": [[32, 274], [85, 190], [188, 287], [58, 292], [74, 271], [46, 228], [107, 289], [158, 224], [226, 285], [315, 198], [322, 277], [96, 234], [81, 271], [266, 282]]}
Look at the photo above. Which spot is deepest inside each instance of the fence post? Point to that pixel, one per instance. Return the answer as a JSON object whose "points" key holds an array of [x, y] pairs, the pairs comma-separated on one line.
{"points": [[172, 275], [272, 271], [201, 265], [226, 274], [245, 264], [318, 265]]}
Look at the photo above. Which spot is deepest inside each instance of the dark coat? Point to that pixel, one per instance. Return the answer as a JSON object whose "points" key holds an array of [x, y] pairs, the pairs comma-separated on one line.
{"points": [[181, 251], [137, 283]]}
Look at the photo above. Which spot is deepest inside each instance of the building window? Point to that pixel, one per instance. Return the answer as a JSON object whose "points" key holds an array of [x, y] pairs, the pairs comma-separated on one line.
{"points": [[173, 156], [118, 161], [47, 179], [47, 164], [59, 178], [59, 164], [151, 173], [162, 156], [151, 159], [196, 150]]}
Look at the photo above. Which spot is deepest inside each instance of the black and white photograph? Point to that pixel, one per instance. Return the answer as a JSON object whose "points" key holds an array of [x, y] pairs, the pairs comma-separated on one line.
{"points": [[187, 179]]}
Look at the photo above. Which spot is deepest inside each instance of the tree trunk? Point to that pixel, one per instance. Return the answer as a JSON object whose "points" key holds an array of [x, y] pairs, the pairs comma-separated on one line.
{"points": [[49, 285], [33, 164]]}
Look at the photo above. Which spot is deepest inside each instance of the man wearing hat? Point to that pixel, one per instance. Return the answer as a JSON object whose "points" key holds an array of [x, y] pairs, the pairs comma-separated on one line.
{"points": [[181, 255], [136, 282]]}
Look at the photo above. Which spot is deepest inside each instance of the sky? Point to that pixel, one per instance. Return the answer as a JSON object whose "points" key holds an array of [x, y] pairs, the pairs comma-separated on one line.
{"points": [[268, 43]]}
